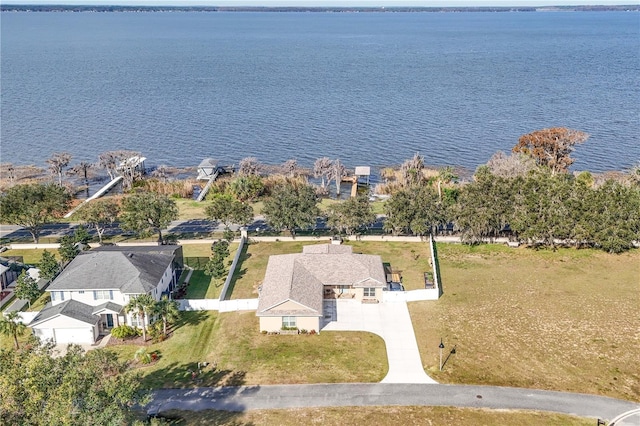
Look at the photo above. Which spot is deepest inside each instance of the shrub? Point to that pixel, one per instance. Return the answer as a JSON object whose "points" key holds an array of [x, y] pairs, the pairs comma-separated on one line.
{"points": [[264, 332], [303, 331], [142, 356], [123, 332], [312, 332]]}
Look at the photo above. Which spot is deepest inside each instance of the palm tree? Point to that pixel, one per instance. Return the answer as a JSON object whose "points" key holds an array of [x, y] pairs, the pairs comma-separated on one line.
{"points": [[140, 305], [11, 325], [168, 310]]}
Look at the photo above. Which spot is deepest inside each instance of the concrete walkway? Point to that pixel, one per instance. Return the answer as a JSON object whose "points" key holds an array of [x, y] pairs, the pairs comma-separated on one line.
{"points": [[392, 322], [381, 394]]}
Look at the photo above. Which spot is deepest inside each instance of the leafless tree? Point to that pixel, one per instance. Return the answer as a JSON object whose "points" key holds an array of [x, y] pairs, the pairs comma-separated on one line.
{"points": [[10, 171], [508, 166], [322, 169], [82, 169], [57, 163], [249, 166], [161, 172], [291, 168], [115, 163], [338, 171], [411, 170], [109, 161]]}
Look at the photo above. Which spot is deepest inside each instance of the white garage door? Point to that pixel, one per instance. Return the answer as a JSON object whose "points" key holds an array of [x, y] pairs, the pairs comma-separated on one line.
{"points": [[74, 335], [44, 333]]}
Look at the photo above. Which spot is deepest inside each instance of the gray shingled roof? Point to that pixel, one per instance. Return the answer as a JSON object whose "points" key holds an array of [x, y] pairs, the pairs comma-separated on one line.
{"points": [[327, 249], [109, 306], [70, 308], [131, 270], [208, 162], [300, 277]]}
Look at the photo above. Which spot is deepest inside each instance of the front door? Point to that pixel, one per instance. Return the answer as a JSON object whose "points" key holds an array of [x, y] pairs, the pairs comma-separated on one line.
{"points": [[109, 321]]}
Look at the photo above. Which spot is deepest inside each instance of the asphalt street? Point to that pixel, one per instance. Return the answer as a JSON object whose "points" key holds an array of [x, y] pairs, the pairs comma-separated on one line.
{"points": [[380, 394]]}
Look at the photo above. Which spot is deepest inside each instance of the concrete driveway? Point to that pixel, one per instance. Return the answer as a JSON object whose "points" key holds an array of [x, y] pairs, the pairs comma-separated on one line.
{"points": [[392, 322]]}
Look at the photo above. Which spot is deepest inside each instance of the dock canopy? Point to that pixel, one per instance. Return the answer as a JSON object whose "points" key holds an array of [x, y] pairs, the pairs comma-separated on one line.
{"points": [[207, 168]]}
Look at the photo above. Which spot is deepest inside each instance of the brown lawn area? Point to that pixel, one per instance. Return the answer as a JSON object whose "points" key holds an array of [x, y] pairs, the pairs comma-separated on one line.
{"points": [[565, 320], [411, 258], [382, 416]]}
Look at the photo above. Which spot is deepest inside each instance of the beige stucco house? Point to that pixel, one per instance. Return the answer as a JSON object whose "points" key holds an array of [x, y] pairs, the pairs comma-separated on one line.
{"points": [[295, 285]]}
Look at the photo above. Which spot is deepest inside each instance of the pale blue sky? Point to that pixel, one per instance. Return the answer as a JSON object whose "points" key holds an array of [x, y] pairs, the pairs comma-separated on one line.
{"points": [[335, 3]]}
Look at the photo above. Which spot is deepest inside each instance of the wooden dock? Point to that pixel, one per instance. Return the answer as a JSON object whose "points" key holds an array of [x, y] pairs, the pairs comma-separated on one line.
{"points": [[98, 194]]}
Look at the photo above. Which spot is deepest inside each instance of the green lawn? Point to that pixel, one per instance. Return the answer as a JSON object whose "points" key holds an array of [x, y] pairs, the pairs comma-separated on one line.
{"points": [[202, 286], [382, 416], [30, 256], [190, 209], [244, 356], [253, 264], [565, 320]]}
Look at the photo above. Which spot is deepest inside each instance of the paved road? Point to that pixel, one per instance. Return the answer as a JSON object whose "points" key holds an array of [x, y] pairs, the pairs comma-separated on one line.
{"points": [[357, 394]]}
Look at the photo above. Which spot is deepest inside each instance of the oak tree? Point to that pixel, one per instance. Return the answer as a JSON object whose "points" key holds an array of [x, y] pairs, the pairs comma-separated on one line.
{"points": [[33, 205], [98, 214], [291, 207], [552, 147], [147, 212]]}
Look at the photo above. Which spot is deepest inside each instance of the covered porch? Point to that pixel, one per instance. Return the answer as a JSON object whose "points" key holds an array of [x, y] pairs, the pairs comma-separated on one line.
{"points": [[339, 292], [110, 316]]}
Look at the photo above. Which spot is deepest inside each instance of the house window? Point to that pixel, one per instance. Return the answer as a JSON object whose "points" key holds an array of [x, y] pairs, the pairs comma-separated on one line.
{"points": [[135, 322], [103, 294], [288, 322], [57, 295], [369, 292]]}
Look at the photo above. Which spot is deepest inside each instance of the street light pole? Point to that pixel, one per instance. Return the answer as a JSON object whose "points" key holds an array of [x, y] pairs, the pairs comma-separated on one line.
{"points": [[441, 346]]}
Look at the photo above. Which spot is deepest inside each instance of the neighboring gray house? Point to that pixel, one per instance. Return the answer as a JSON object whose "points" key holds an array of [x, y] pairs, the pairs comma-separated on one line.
{"points": [[7, 276], [295, 285], [89, 296]]}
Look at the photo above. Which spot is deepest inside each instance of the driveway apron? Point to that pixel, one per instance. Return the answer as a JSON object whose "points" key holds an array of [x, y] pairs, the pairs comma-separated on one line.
{"points": [[392, 322]]}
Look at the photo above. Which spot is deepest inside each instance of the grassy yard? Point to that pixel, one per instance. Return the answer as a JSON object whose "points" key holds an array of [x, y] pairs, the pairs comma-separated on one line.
{"points": [[30, 256], [411, 258], [253, 264], [244, 356], [202, 286], [347, 416], [190, 209], [565, 320]]}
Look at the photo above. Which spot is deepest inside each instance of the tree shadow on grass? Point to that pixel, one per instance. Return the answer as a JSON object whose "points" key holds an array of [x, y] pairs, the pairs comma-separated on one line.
{"points": [[239, 271], [208, 384], [206, 417], [190, 318]]}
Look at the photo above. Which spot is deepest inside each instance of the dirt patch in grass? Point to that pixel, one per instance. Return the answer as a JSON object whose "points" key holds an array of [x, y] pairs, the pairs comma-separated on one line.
{"points": [[347, 416], [565, 320], [241, 355]]}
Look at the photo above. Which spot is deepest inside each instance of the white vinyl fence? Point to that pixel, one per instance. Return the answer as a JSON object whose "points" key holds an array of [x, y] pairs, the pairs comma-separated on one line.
{"points": [[217, 305]]}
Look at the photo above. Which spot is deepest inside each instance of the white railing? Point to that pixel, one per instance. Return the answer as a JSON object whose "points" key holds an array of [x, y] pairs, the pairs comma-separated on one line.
{"points": [[410, 296]]}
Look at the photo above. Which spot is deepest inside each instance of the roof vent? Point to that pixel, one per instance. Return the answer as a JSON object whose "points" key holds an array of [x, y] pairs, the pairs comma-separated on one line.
{"points": [[130, 255]]}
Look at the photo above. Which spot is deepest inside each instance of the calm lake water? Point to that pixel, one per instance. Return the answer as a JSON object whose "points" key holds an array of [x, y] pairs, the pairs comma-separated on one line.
{"points": [[368, 88]]}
